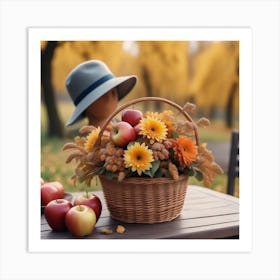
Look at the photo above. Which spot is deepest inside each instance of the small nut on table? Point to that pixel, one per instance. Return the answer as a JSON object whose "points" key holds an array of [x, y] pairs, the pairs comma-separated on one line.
{"points": [[106, 231], [120, 229]]}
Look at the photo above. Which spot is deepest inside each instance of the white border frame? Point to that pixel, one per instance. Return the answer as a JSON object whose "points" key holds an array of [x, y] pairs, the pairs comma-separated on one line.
{"points": [[244, 35]]}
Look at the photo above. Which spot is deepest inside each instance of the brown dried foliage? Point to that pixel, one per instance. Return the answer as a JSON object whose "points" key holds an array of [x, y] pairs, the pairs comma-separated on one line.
{"points": [[207, 165], [88, 162]]}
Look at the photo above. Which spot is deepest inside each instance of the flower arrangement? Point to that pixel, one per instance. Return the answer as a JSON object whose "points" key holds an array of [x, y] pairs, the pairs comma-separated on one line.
{"points": [[161, 145]]}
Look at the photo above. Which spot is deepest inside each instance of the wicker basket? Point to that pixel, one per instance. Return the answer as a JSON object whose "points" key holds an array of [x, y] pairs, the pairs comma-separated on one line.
{"points": [[145, 200]]}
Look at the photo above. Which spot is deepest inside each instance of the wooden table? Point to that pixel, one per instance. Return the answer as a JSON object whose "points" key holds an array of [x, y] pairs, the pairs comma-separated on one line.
{"points": [[207, 214]]}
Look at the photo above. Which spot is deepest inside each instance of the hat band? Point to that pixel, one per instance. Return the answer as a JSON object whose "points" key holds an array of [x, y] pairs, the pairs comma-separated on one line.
{"points": [[93, 86]]}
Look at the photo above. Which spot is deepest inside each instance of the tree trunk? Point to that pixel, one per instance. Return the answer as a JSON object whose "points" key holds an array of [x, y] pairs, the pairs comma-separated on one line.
{"points": [[149, 89], [54, 123], [147, 81], [234, 86]]}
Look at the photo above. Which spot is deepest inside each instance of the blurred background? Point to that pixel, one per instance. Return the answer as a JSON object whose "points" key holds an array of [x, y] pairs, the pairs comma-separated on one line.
{"points": [[205, 73]]}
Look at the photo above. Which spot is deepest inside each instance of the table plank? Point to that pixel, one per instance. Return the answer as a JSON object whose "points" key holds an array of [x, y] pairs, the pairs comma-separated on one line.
{"points": [[206, 214]]}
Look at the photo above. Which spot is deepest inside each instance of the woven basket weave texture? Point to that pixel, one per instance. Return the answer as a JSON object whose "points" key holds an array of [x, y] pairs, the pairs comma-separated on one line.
{"points": [[145, 200]]}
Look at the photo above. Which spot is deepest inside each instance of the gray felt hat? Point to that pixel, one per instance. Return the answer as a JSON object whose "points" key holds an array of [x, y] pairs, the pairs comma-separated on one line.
{"points": [[89, 81]]}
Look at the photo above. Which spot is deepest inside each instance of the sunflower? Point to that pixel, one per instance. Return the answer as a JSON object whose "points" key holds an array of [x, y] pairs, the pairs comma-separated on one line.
{"points": [[91, 139], [153, 128], [138, 157], [185, 151]]}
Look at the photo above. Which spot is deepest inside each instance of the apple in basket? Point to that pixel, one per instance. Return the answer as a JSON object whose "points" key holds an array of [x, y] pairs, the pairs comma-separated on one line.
{"points": [[49, 192], [55, 213], [131, 116], [90, 200], [80, 220], [122, 133]]}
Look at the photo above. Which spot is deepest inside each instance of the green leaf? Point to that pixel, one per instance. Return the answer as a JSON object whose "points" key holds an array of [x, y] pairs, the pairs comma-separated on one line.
{"points": [[158, 173], [198, 175], [189, 171], [167, 174], [155, 166], [175, 134], [109, 175], [130, 144]]}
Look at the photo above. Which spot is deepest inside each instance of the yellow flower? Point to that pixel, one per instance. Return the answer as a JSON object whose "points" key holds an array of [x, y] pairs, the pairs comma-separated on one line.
{"points": [[185, 151], [138, 157], [153, 129], [91, 139], [152, 114]]}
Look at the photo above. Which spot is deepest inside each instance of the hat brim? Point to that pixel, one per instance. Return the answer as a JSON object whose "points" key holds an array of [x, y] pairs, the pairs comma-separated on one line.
{"points": [[124, 85]]}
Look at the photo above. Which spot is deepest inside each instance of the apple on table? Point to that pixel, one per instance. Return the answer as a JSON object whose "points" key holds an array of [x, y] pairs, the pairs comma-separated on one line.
{"points": [[80, 220], [55, 213], [51, 191], [91, 200], [59, 186]]}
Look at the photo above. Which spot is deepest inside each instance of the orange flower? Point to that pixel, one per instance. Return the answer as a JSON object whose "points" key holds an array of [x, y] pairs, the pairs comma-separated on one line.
{"points": [[167, 117], [170, 127], [185, 151]]}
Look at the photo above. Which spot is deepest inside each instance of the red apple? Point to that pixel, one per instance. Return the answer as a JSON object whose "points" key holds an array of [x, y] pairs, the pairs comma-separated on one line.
{"points": [[59, 186], [122, 133], [55, 213], [48, 193], [92, 201], [131, 116], [80, 220]]}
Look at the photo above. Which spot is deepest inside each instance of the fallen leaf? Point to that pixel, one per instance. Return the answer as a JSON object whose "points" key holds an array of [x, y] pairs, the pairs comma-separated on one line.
{"points": [[120, 229], [106, 231]]}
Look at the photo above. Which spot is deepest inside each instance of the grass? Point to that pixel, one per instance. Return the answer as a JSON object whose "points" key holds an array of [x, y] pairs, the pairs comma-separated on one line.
{"points": [[54, 168], [216, 132], [219, 184]]}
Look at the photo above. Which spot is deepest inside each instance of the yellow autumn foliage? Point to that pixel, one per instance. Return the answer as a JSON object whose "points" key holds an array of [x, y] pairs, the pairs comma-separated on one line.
{"points": [[167, 69], [215, 70]]}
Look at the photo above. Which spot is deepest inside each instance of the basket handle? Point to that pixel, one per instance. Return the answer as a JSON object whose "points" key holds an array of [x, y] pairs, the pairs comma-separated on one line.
{"points": [[143, 99]]}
